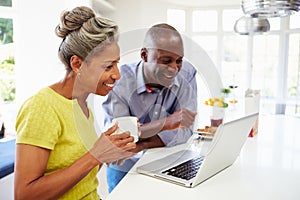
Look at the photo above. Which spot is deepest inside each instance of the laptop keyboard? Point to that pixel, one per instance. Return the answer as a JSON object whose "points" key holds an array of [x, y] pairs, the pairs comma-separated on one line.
{"points": [[186, 170]]}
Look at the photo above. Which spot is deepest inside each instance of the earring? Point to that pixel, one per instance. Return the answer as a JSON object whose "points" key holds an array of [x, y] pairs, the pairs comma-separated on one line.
{"points": [[77, 72]]}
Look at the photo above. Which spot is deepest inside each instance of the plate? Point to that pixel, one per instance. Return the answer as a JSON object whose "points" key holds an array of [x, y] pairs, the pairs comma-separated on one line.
{"points": [[203, 132], [205, 135]]}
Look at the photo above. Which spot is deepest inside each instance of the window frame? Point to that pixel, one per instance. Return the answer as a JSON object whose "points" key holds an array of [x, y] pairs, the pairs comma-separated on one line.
{"points": [[8, 108], [281, 98], [10, 13]]}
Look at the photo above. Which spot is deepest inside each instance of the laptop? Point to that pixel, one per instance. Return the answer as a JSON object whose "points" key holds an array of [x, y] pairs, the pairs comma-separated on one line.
{"points": [[189, 167]]}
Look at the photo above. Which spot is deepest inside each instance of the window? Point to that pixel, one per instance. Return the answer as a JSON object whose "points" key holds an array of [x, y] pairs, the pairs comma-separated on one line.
{"points": [[205, 20], [274, 23], [176, 18], [7, 3], [7, 64], [234, 62], [209, 44], [259, 61], [265, 61], [229, 18], [7, 68], [294, 21], [293, 86]]}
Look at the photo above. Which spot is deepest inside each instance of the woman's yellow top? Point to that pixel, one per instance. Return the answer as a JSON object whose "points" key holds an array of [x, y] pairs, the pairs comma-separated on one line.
{"points": [[50, 121]]}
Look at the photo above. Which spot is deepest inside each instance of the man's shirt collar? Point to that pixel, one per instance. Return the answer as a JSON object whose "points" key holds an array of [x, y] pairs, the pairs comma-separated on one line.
{"points": [[141, 85]]}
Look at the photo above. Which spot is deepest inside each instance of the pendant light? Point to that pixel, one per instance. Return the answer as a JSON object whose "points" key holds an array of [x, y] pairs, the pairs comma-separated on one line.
{"points": [[248, 25], [270, 8]]}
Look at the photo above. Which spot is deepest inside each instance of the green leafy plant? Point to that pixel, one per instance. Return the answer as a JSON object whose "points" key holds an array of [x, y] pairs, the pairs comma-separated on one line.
{"points": [[6, 31], [7, 82], [7, 66], [225, 90]]}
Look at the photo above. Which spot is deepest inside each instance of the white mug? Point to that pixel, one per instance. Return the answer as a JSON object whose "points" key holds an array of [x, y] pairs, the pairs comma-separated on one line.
{"points": [[127, 123]]}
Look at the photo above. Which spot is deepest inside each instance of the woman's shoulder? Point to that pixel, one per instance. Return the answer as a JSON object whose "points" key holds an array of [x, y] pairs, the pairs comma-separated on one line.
{"points": [[42, 96], [45, 97], [37, 97]]}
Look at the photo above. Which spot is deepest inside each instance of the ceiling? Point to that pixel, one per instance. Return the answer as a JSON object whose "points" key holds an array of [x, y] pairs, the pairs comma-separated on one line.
{"points": [[204, 2]]}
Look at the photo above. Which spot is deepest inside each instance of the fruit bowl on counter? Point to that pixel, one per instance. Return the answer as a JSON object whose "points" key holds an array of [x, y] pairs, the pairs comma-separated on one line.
{"points": [[216, 102], [218, 110]]}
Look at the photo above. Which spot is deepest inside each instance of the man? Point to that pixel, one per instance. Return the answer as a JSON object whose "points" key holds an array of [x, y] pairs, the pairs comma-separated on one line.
{"points": [[160, 91]]}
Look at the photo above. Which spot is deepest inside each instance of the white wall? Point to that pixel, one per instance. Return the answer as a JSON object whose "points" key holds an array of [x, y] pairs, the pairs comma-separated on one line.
{"points": [[136, 14], [36, 58], [37, 44]]}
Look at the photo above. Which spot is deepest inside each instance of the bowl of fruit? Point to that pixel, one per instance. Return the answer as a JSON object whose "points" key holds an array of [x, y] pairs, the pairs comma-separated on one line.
{"points": [[216, 102], [218, 106]]}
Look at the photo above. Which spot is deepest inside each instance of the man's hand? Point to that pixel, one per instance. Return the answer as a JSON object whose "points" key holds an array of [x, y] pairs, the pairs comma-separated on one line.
{"points": [[182, 118]]}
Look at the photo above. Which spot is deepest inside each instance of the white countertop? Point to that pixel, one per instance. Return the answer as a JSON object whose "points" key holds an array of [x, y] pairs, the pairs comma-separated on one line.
{"points": [[268, 168]]}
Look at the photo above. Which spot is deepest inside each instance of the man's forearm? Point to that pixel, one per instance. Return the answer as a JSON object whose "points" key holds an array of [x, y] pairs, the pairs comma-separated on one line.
{"points": [[152, 128], [151, 142]]}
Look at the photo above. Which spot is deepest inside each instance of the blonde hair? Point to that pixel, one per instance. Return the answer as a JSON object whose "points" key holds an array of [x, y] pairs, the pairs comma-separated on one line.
{"points": [[82, 31]]}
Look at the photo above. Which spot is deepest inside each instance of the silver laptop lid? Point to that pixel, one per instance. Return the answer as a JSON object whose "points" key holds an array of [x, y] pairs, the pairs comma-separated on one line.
{"points": [[226, 147], [223, 151]]}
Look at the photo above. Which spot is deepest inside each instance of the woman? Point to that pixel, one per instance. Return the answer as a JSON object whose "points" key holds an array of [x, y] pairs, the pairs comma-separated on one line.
{"points": [[58, 153]]}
